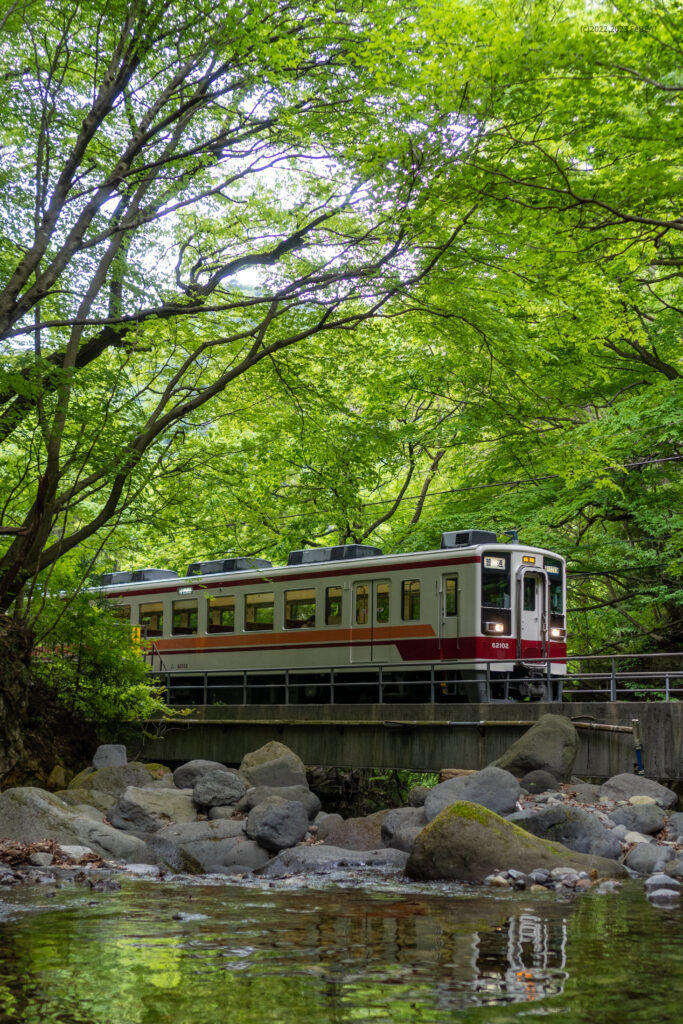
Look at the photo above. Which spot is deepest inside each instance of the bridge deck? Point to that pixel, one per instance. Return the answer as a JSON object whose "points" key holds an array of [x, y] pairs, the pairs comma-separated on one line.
{"points": [[423, 737]]}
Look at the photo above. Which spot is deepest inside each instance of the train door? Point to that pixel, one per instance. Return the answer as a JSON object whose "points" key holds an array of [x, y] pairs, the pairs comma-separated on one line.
{"points": [[370, 612], [448, 616], [532, 605]]}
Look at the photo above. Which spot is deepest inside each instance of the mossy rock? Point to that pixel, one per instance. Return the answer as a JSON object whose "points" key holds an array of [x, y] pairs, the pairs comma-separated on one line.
{"points": [[103, 787], [466, 842]]}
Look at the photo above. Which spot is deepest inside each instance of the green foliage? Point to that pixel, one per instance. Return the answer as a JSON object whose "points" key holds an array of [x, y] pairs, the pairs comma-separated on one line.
{"points": [[90, 660]]}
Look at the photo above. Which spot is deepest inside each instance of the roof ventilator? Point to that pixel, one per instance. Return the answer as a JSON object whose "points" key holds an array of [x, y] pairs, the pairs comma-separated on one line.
{"points": [[467, 538], [343, 552], [228, 565]]}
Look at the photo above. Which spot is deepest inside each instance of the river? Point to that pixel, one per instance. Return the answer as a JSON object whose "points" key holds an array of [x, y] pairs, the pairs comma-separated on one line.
{"points": [[335, 953]]}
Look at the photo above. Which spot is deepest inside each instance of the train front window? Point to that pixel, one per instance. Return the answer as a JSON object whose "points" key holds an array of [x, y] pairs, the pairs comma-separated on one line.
{"points": [[220, 614], [333, 606], [152, 619], [382, 602], [554, 569], [495, 581], [362, 604], [410, 599], [299, 609], [184, 618], [259, 611]]}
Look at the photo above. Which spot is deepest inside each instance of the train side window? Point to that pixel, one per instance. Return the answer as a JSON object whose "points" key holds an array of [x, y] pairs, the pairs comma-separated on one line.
{"points": [[333, 606], [362, 604], [184, 618], [529, 593], [410, 599], [299, 609], [382, 593], [220, 614], [152, 618], [451, 596], [259, 611], [121, 611]]}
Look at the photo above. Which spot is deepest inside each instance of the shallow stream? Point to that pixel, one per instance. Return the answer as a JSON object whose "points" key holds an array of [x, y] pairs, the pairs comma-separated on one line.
{"points": [[198, 953]]}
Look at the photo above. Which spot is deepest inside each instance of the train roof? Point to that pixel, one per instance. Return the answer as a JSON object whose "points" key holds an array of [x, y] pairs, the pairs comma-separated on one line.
{"points": [[260, 571]]}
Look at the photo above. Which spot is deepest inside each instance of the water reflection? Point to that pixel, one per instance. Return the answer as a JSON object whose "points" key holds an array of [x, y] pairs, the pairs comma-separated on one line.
{"points": [[153, 954]]}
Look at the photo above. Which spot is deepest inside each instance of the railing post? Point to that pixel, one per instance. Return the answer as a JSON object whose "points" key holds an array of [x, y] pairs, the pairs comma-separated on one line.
{"points": [[667, 688], [548, 680], [286, 686], [332, 686], [168, 688], [613, 681], [432, 692], [488, 682], [244, 687], [206, 688], [380, 681]]}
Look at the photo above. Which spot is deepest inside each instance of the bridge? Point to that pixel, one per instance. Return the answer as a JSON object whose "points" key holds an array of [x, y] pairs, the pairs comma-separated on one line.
{"points": [[425, 737]]}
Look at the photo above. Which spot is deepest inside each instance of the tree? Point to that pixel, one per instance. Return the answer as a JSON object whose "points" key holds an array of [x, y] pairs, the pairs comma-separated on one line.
{"points": [[152, 151]]}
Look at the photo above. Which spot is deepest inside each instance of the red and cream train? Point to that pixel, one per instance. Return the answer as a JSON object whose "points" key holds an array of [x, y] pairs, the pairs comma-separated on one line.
{"points": [[477, 617]]}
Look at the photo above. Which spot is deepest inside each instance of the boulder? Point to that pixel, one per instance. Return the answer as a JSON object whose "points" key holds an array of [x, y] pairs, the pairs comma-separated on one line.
{"points": [[539, 781], [491, 787], [219, 813], [648, 857], [576, 828], [675, 824], [467, 842], [189, 774], [218, 788], [273, 764], [264, 794], [321, 860], [675, 867], [103, 787], [624, 786], [327, 823], [418, 795], [244, 856], [358, 833], [148, 810], [585, 792], [278, 824], [401, 826], [645, 818], [551, 745], [205, 844], [29, 814], [110, 755]]}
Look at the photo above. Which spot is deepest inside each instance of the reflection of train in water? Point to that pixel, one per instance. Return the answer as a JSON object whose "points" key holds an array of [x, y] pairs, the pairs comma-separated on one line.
{"points": [[470, 617]]}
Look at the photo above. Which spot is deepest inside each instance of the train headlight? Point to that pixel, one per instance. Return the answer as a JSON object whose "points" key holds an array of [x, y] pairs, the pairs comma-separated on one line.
{"points": [[495, 627], [557, 634]]}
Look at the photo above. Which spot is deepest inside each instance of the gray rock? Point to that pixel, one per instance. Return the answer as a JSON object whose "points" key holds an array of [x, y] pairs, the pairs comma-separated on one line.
{"points": [[468, 842], [492, 787], [205, 844], [645, 818], [586, 792], [624, 786], [540, 876], [418, 795], [30, 814], [645, 858], [321, 860], [220, 813], [539, 781], [278, 824], [110, 755], [273, 764], [551, 745], [41, 860], [575, 827], [397, 819], [264, 794], [243, 857], [674, 867], [358, 833], [664, 897], [74, 853], [102, 788], [328, 824], [675, 823], [189, 774], [218, 788], [148, 810]]}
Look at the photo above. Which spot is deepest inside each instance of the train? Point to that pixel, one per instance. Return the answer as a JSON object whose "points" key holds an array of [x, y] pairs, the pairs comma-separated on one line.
{"points": [[475, 620]]}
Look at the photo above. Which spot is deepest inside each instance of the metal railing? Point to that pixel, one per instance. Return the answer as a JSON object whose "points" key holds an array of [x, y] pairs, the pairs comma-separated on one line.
{"points": [[660, 678]]}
